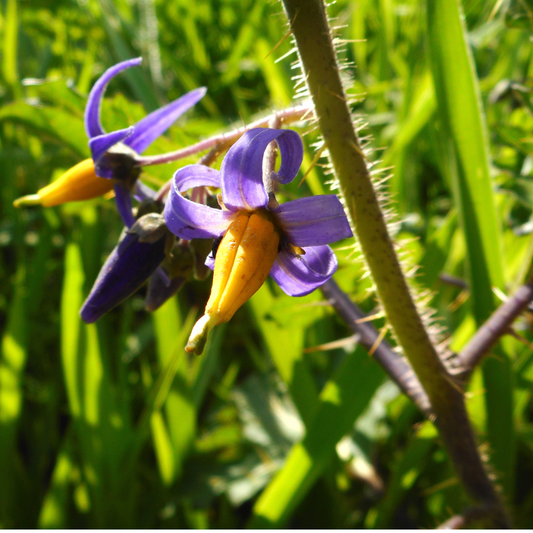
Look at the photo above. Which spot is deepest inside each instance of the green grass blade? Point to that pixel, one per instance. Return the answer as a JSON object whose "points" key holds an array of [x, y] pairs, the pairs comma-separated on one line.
{"points": [[71, 301], [285, 346], [12, 363], [10, 47], [405, 473], [342, 400], [54, 511], [461, 111]]}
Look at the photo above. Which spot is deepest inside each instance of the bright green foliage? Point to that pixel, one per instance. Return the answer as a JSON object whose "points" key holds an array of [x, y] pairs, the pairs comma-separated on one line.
{"points": [[113, 425]]}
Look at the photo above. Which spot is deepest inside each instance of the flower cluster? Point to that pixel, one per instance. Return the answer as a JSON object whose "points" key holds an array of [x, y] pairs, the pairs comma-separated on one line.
{"points": [[254, 235]]}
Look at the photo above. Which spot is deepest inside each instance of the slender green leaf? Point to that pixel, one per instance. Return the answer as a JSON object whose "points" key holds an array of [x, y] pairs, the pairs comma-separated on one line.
{"points": [[466, 144], [342, 400]]}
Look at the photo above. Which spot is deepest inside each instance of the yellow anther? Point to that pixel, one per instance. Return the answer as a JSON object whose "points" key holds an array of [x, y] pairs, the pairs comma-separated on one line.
{"points": [[225, 258], [78, 183], [243, 261]]}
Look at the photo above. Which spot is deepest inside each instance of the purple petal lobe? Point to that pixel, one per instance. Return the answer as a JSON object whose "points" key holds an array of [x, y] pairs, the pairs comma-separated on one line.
{"points": [[210, 261], [298, 276], [242, 168], [190, 220], [157, 122], [123, 203], [195, 176], [93, 128], [314, 220], [130, 264], [101, 144]]}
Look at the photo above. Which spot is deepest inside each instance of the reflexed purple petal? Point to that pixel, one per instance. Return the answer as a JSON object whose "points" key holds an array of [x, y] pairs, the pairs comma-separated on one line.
{"points": [[195, 176], [298, 276], [143, 192], [157, 122], [190, 220], [158, 292], [123, 203], [314, 220], [242, 168], [101, 144], [93, 128], [130, 264]]}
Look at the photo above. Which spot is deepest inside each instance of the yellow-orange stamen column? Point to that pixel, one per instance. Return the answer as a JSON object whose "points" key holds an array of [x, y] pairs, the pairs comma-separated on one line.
{"points": [[243, 261], [76, 184]]}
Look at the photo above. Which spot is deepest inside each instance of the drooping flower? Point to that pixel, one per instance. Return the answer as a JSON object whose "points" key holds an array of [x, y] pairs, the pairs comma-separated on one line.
{"points": [[113, 161], [258, 236]]}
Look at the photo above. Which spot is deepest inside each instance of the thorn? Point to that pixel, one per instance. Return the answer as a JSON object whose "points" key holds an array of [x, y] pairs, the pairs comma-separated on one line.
{"points": [[341, 343], [377, 342], [313, 163], [280, 42], [370, 318]]}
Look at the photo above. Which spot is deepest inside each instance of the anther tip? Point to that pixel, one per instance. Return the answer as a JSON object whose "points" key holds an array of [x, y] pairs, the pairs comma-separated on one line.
{"points": [[199, 334], [30, 199]]}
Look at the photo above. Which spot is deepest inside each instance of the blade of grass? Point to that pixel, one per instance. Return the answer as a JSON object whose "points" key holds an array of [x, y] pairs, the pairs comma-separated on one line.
{"points": [[461, 111], [405, 473], [285, 346], [12, 363], [54, 511], [179, 407], [342, 400], [10, 48]]}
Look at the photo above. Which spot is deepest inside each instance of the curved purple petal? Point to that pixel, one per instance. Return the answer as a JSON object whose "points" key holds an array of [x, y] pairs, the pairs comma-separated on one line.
{"points": [[130, 264], [157, 122], [93, 127], [195, 176], [101, 144], [123, 203], [190, 220], [314, 220], [242, 168], [298, 276]]}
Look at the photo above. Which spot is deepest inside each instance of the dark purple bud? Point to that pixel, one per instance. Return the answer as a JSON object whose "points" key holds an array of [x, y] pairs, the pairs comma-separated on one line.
{"points": [[130, 264], [159, 291]]}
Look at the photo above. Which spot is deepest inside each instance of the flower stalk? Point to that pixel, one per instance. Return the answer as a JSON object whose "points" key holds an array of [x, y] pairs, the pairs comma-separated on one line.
{"points": [[309, 25]]}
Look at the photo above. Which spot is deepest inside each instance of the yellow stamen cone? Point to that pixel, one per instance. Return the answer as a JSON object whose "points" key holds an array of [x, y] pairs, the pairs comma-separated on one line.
{"points": [[78, 183], [243, 261], [225, 257]]}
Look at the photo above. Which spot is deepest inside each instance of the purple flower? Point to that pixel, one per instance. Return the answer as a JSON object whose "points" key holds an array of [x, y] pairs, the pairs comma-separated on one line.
{"points": [[114, 153], [308, 223]]}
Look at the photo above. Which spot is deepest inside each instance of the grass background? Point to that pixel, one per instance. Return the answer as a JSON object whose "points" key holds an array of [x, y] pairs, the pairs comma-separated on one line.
{"points": [[111, 425]]}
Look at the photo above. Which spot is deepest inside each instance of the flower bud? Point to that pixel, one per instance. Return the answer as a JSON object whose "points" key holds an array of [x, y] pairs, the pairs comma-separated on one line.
{"points": [[128, 267]]}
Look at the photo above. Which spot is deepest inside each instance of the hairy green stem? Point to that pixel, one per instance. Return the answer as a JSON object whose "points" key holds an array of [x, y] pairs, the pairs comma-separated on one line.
{"points": [[309, 25]]}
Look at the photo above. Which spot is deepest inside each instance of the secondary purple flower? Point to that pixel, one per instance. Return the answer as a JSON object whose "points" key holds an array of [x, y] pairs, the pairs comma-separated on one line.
{"points": [[289, 241], [114, 153]]}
